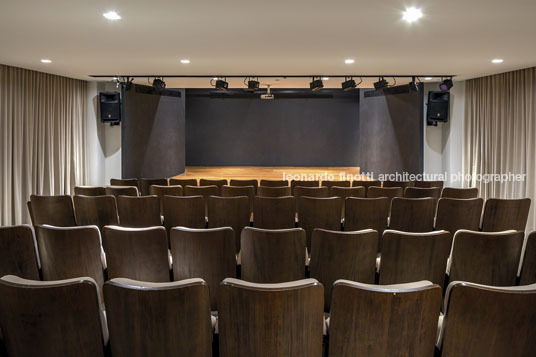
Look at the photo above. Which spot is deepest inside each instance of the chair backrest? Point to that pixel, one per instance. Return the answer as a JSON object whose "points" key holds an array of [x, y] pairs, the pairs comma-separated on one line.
{"points": [[274, 212], [402, 184], [502, 214], [159, 319], [528, 270], [231, 212], [273, 183], [273, 256], [455, 213], [366, 213], [343, 255], [182, 182], [187, 211], [486, 258], [278, 319], [145, 185], [303, 183], [331, 184], [422, 192], [389, 192], [121, 191], [269, 191], [18, 252], [429, 184], [213, 182], [204, 253], [205, 191], [412, 214], [389, 320], [322, 213], [124, 182], [89, 190], [300, 191], [53, 210], [143, 211], [463, 193], [344, 192], [236, 182], [237, 191], [161, 191], [408, 257], [98, 211], [136, 253], [52, 318], [489, 321], [366, 184]]}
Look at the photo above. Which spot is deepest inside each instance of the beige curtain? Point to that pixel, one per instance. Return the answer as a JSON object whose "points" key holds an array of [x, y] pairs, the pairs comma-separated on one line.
{"points": [[500, 134], [43, 138]]}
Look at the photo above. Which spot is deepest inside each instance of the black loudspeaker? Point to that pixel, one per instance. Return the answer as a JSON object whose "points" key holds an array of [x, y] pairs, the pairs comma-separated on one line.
{"points": [[110, 107], [438, 107]]}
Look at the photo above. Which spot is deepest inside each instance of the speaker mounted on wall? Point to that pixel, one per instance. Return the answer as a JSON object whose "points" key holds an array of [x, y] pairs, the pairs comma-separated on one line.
{"points": [[438, 107], [110, 107]]}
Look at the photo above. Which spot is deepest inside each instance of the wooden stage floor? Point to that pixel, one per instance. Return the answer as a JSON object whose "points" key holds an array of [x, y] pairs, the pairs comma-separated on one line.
{"points": [[272, 173]]}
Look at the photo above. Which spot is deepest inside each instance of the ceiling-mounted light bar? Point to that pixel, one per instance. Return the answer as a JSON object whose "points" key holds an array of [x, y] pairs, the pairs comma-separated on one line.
{"points": [[284, 76]]}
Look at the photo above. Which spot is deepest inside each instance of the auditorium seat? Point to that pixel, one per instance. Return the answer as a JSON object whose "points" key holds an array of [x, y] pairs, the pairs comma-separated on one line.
{"points": [[402, 184], [528, 270], [125, 182], [237, 191], [408, 257], [303, 183], [389, 192], [385, 320], [121, 191], [463, 193], [269, 191], [319, 213], [366, 184], [136, 253], [273, 183], [236, 182], [89, 190], [486, 258], [422, 192], [274, 212], [412, 214], [182, 182], [52, 318], [503, 214], [53, 210], [344, 192], [231, 212], [187, 211], [208, 254], [205, 191], [143, 211], [489, 321], [300, 191], [343, 255], [270, 319], [158, 319], [273, 256], [18, 252], [429, 184], [99, 211], [366, 213], [331, 184], [455, 213], [216, 182], [145, 185], [161, 191]]}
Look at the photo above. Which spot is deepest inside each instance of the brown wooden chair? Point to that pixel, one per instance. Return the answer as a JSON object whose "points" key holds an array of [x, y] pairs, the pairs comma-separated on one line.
{"points": [[489, 321], [319, 213], [402, 184], [486, 258], [528, 270], [273, 256], [53, 210], [502, 214], [188, 211], [18, 252], [429, 184], [271, 319], [408, 257], [231, 212], [98, 211], [182, 182], [344, 192], [237, 191], [412, 214], [70, 252], [331, 184], [143, 211], [389, 192], [300, 191], [161, 191], [204, 253], [159, 319], [273, 183], [274, 212], [217, 182], [145, 185], [366, 213], [136, 253], [121, 191], [454, 214], [343, 255], [236, 182], [422, 192], [389, 320], [268, 191], [52, 318], [89, 190], [366, 184], [463, 193], [125, 182], [302, 183], [204, 191]]}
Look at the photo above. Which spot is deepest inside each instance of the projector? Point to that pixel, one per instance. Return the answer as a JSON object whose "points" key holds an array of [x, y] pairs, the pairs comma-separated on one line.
{"points": [[267, 96]]}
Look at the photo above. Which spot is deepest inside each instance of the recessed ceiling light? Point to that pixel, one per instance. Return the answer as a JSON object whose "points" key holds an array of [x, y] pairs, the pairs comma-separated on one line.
{"points": [[412, 14], [185, 61], [349, 61], [497, 60], [46, 60], [427, 78], [112, 15], [325, 78]]}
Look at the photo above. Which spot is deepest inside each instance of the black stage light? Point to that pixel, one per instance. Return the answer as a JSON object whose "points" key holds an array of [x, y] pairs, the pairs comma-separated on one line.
{"points": [[348, 84], [316, 85], [381, 84], [253, 86], [159, 84], [446, 84], [413, 87], [221, 84]]}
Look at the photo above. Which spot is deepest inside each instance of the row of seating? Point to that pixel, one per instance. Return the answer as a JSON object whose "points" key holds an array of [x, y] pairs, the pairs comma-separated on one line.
{"points": [[64, 318]]}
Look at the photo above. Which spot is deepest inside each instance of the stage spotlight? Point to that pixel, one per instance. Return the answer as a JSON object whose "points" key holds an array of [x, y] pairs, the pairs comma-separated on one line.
{"points": [[413, 87], [381, 84], [253, 85], [316, 84], [159, 84], [348, 84], [221, 84], [446, 84]]}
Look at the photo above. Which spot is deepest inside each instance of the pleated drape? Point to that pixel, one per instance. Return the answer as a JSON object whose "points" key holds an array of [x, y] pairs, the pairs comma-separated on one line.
{"points": [[43, 138], [500, 134]]}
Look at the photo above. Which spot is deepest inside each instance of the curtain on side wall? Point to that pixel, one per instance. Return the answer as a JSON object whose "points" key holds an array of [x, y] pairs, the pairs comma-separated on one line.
{"points": [[500, 134], [42, 139]]}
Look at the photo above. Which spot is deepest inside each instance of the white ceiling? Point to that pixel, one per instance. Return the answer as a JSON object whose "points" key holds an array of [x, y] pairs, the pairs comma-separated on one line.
{"points": [[267, 37]]}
